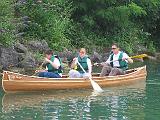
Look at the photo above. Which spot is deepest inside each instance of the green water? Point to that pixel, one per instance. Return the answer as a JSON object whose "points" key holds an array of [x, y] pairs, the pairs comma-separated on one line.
{"points": [[140, 101]]}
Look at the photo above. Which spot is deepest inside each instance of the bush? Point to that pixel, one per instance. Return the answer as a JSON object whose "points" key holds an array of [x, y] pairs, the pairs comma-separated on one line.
{"points": [[7, 26], [48, 21]]}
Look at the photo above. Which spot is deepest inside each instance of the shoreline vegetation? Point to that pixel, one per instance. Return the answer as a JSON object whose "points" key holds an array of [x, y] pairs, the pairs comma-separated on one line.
{"points": [[28, 27]]}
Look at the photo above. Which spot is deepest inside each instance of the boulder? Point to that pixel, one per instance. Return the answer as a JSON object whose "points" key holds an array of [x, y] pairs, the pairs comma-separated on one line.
{"points": [[20, 48], [96, 57], [28, 61], [157, 55], [8, 57], [39, 46]]}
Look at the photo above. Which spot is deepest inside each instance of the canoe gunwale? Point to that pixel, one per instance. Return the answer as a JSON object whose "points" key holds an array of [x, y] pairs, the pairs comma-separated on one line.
{"points": [[77, 79], [9, 84]]}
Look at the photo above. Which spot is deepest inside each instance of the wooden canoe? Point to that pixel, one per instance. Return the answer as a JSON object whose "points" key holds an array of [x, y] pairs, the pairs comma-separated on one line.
{"points": [[12, 82]]}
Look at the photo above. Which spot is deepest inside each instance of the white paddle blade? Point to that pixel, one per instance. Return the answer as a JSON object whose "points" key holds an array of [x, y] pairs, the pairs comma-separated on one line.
{"points": [[95, 86]]}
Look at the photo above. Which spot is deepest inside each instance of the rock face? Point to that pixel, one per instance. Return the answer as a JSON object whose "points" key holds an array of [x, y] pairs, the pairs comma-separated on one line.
{"points": [[28, 61], [157, 56], [96, 57], [19, 55], [40, 46], [20, 48], [22, 56], [8, 57]]}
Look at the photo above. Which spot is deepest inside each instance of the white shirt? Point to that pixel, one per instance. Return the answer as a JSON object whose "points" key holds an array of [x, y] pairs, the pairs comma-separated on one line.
{"points": [[115, 59], [57, 62]]}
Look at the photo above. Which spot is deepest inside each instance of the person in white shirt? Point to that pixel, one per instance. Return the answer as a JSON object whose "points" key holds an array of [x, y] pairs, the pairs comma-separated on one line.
{"points": [[84, 69], [53, 66], [117, 63]]}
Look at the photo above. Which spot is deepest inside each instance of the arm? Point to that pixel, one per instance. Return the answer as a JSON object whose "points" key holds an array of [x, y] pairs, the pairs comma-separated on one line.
{"points": [[108, 60], [89, 66], [74, 63], [126, 57], [130, 60], [55, 63]]}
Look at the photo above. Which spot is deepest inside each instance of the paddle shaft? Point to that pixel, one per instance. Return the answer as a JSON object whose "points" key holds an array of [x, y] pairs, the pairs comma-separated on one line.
{"points": [[136, 56], [93, 83], [109, 62], [38, 68]]}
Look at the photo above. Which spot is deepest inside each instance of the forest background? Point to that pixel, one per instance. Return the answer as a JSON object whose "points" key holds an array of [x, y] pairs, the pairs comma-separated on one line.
{"points": [[93, 24]]}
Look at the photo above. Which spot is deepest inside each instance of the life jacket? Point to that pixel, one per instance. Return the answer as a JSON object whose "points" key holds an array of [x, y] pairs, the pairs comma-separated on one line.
{"points": [[83, 63], [51, 68], [123, 64]]}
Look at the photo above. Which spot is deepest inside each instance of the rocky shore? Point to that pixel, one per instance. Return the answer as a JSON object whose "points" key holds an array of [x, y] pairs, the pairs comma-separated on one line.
{"points": [[25, 58]]}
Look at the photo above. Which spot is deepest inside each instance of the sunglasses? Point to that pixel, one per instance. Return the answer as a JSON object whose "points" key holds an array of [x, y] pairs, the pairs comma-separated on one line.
{"points": [[114, 48], [82, 52]]}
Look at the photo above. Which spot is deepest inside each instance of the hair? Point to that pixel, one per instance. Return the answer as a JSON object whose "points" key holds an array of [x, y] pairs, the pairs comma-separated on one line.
{"points": [[82, 49], [116, 44], [49, 52]]}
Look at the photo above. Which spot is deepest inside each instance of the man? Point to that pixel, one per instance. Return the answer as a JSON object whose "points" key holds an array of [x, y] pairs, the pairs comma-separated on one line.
{"points": [[117, 62], [53, 66], [85, 63]]}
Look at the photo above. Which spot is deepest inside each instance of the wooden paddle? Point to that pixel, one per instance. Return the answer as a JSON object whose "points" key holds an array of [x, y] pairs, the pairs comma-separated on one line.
{"points": [[139, 56], [136, 56], [40, 67], [95, 86]]}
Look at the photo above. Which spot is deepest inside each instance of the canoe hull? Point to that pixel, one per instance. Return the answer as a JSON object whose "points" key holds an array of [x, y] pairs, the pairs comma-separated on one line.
{"points": [[12, 82]]}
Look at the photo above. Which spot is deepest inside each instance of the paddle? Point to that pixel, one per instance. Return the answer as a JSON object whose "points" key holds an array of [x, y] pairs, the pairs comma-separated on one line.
{"points": [[95, 86], [139, 56], [40, 67], [136, 56]]}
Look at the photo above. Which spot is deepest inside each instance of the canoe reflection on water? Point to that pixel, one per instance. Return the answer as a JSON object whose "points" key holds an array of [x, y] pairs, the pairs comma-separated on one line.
{"points": [[12, 101]]}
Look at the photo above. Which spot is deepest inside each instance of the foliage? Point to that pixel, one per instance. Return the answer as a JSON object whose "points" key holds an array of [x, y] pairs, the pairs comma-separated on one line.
{"points": [[151, 22], [119, 21], [93, 24], [38, 56], [48, 20], [7, 27]]}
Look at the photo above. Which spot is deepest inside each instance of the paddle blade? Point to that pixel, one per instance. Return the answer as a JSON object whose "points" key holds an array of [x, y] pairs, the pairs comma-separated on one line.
{"points": [[95, 86], [139, 56]]}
